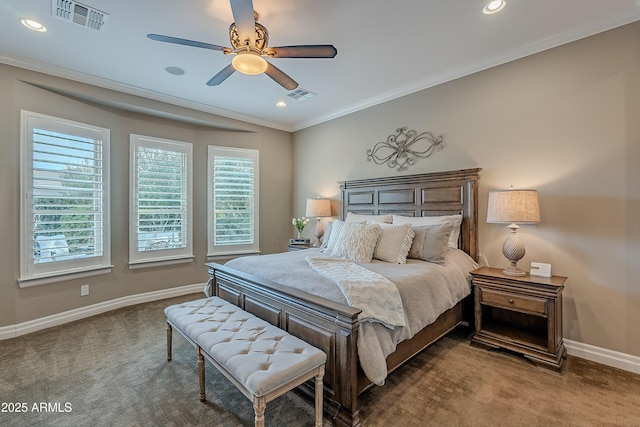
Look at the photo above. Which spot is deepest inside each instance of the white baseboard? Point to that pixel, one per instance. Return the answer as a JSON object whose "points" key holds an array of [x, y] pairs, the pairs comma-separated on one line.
{"points": [[616, 359], [19, 329]]}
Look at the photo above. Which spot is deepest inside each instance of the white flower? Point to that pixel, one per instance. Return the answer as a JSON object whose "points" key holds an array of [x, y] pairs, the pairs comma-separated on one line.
{"points": [[300, 223]]}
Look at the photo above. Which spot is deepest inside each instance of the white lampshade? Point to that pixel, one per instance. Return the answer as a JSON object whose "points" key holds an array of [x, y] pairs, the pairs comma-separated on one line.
{"points": [[513, 206], [318, 207]]}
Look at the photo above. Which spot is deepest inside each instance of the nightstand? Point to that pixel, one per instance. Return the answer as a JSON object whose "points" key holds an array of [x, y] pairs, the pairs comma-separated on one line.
{"points": [[299, 247], [520, 313]]}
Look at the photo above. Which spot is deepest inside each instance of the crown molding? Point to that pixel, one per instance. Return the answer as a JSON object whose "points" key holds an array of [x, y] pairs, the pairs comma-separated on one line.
{"points": [[476, 66]]}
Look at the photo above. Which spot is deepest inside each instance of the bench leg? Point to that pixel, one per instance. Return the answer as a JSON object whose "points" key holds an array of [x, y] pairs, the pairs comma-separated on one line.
{"points": [[319, 395], [201, 374], [259, 405], [169, 342]]}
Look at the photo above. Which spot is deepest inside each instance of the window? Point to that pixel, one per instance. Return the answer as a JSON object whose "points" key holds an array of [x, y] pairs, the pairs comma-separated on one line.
{"points": [[232, 201], [161, 181], [65, 227]]}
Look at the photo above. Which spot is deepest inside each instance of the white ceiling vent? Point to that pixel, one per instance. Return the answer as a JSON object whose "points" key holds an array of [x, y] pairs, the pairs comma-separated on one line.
{"points": [[79, 14], [301, 94]]}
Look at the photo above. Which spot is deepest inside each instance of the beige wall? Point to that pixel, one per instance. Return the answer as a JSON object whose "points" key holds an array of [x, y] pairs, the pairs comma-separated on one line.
{"points": [[44, 94], [565, 122]]}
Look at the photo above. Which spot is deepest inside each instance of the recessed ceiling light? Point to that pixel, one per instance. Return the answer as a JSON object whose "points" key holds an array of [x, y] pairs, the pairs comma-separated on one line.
{"points": [[33, 25], [281, 104], [494, 6], [176, 71]]}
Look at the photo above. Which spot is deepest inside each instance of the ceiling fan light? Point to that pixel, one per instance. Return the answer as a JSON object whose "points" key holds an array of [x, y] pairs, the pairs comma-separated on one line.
{"points": [[249, 63]]}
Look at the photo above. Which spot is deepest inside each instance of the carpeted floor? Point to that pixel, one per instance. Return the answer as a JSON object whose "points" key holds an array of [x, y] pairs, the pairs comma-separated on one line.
{"points": [[111, 370]]}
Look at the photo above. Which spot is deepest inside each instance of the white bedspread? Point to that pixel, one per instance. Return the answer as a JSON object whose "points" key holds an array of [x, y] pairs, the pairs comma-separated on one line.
{"points": [[374, 294], [426, 289]]}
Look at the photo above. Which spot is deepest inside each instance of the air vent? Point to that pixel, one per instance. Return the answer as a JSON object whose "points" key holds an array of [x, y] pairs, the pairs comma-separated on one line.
{"points": [[301, 94], [79, 14]]}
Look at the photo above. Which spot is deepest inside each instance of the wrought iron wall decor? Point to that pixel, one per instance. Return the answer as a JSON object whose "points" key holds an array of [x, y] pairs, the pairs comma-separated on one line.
{"points": [[401, 149]]}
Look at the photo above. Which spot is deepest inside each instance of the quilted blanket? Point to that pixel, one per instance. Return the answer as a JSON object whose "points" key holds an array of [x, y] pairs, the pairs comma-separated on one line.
{"points": [[374, 294]]}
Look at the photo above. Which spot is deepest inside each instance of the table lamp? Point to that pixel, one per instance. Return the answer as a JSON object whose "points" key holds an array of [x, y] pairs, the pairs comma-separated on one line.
{"points": [[512, 207], [318, 208]]}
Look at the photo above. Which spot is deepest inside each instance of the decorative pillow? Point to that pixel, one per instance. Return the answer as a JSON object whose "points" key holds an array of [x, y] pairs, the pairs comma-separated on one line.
{"points": [[431, 242], [455, 220], [356, 241], [332, 237], [394, 243], [327, 235], [369, 219], [333, 229]]}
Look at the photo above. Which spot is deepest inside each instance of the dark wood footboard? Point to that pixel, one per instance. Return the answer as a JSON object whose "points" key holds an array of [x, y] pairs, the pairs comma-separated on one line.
{"points": [[325, 324]]}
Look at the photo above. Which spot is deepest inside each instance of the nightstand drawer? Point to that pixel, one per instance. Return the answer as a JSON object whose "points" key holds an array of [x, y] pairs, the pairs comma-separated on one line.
{"points": [[514, 301]]}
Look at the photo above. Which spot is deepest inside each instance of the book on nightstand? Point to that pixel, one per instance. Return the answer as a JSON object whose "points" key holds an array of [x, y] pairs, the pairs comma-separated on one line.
{"points": [[299, 241]]}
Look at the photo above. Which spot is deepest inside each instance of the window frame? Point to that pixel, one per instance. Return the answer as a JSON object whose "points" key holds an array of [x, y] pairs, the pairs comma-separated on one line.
{"points": [[138, 259], [214, 250], [33, 273]]}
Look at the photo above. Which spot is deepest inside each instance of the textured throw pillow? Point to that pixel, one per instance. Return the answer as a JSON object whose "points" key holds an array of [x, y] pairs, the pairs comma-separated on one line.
{"points": [[431, 242], [394, 243], [369, 219], [356, 241], [454, 220]]}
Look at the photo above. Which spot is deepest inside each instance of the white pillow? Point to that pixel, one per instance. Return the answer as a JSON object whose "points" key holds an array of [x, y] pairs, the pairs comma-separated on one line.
{"points": [[334, 234], [455, 220], [356, 242], [369, 219], [327, 236], [394, 243]]}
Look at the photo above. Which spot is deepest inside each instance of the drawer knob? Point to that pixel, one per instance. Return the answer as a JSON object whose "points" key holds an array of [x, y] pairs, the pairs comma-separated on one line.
{"points": [[510, 301]]}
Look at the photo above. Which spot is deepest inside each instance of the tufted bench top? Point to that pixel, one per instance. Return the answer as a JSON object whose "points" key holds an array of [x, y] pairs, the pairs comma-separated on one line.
{"points": [[258, 355]]}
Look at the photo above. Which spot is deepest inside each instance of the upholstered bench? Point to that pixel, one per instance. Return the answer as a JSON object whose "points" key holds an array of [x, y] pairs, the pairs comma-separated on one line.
{"points": [[263, 361]]}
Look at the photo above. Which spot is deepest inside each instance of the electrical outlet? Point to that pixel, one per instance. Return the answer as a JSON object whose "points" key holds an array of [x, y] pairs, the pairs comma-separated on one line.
{"points": [[84, 290]]}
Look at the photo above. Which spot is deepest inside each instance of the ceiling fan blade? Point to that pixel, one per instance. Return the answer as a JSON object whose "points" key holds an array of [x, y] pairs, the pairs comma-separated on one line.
{"points": [[303, 51], [221, 76], [244, 19], [280, 77], [185, 42]]}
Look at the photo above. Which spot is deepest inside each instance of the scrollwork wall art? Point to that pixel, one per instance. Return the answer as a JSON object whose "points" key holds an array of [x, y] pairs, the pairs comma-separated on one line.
{"points": [[401, 149]]}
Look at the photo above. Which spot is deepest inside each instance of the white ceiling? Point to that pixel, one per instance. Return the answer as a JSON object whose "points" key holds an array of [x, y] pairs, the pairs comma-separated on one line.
{"points": [[386, 49]]}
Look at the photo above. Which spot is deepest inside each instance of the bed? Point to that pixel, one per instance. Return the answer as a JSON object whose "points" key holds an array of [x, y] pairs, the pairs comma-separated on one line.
{"points": [[334, 326]]}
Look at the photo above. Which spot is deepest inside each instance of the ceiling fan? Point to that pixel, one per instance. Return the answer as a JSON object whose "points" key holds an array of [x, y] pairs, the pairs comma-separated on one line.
{"points": [[249, 45]]}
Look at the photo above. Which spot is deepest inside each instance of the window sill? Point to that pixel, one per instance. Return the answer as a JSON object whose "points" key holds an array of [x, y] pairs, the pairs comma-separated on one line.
{"points": [[45, 280], [135, 265]]}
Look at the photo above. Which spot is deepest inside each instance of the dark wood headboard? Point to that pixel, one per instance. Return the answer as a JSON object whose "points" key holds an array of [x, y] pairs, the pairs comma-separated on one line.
{"points": [[429, 194]]}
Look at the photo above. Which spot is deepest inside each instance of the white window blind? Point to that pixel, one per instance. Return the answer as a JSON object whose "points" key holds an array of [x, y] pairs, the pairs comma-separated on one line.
{"points": [[161, 203], [233, 201], [65, 211]]}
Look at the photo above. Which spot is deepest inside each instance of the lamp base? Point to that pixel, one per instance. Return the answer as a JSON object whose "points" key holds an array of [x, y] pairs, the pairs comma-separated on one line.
{"points": [[513, 272], [318, 231], [513, 250]]}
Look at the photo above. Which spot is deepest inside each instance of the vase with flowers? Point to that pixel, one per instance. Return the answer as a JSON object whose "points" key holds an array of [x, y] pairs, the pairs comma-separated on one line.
{"points": [[300, 223]]}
